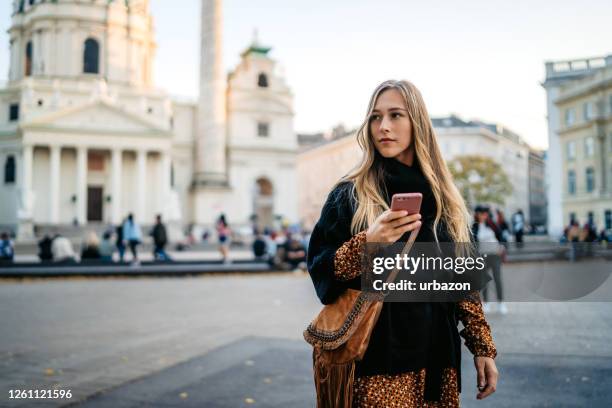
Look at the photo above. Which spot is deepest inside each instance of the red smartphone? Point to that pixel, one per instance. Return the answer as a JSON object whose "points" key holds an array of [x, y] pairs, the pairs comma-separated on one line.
{"points": [[410, 202]]}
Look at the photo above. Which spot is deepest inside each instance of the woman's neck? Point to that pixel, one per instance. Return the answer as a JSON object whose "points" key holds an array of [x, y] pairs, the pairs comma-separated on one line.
{"points": [[406, 157]]}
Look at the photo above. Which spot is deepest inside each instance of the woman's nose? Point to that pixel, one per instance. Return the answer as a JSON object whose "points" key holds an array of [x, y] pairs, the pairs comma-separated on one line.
{"points": [[384, 125]]}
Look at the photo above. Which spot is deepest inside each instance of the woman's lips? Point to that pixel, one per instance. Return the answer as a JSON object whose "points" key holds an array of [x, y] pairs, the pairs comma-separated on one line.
{"points": [[386, 140]]}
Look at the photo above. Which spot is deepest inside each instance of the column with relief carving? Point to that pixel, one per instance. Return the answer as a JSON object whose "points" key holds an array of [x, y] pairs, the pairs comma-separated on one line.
{"points": [[210, 140]]}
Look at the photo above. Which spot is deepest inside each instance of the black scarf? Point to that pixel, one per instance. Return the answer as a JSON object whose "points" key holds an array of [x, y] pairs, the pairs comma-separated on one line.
{"points": [[412, 336]]}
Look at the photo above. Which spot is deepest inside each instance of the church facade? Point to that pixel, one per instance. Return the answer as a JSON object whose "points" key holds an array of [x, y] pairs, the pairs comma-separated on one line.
{"points": [[86, 137]]}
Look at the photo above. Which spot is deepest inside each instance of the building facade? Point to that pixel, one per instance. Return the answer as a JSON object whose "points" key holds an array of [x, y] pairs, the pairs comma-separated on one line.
{"points": [[558, 74], [585, 138], [537, 189], [86, 137], [320, 166], [457, 137]]}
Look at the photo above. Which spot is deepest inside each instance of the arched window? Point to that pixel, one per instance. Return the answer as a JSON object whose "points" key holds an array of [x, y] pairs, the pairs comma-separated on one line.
{"points": [[28, 59], [9, 170], [91, 56], [262, 80]]}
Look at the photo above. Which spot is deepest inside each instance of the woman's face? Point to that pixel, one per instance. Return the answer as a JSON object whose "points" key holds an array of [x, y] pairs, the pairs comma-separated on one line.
{"points": [[390, 127], [482, 216]]}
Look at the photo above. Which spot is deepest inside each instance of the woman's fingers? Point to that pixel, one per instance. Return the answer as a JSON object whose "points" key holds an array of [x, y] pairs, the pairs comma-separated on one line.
{"points": [[486, 375], [398, 222], [408, 227], [389, 215]]}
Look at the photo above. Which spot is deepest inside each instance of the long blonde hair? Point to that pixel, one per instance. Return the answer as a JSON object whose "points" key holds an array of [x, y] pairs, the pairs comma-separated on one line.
{"points": [[367, 176]]}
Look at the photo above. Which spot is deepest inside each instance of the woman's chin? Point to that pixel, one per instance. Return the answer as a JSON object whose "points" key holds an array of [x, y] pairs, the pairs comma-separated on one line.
{"points": [[388, 153]]}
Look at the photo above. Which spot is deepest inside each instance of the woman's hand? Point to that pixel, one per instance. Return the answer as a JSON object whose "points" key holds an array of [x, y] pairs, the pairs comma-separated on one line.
{"points": [[391, 225], [486, 376]]}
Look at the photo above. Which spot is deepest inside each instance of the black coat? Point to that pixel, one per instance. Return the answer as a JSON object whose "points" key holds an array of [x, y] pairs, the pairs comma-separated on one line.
{"points": [[407, 336]]}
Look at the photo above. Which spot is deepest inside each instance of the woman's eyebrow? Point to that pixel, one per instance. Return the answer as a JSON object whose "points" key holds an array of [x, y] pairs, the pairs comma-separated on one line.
{"points": [[390, 109]]}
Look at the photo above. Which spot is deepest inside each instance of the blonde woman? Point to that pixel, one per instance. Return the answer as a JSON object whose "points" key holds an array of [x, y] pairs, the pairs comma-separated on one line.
{"points": [[413, 357]]}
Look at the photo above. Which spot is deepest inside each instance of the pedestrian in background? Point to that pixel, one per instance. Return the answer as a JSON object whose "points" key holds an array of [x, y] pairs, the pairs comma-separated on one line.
{"points": [[518, 224], [223, 232], [7, 252], [259, 246], [133, 236], [44, 249], [488, 236], [62, 250], [106, 247], [160, 240], [120, 243], [503, 226], [91, 249]]}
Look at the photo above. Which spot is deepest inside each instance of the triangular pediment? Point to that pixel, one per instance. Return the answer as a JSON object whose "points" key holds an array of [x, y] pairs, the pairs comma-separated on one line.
{"points": [[99, 116]]}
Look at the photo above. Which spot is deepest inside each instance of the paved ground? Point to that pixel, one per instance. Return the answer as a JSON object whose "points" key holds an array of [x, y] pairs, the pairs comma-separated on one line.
{"points": [[232, 341]]}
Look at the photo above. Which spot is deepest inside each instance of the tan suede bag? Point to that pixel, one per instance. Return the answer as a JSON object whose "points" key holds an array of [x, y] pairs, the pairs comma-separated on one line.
{"points": [[339, 336]]}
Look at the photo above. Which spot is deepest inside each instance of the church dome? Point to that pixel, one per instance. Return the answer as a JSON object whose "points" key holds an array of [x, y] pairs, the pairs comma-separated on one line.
{"points": [[111, 39]]}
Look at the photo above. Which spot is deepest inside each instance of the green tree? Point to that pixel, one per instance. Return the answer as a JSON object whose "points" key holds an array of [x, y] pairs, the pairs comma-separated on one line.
{"points": [[480, 180]]}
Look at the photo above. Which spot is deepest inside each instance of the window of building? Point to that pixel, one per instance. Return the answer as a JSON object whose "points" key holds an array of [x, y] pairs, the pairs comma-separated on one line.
{"points": [[262, 80], [571, 150], [608, 219], [572, 217], [32, 2], [590, 179], [263, 129], [21, 5], [570, 117], [28, 59], [588, 111], [610, 103], [13, 112], [589, 148], [590, 218], [9, 170], [91, 55], [571, 182]]}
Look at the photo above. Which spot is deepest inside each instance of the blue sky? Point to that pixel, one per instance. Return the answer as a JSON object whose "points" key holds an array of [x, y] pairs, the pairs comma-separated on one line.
{"points": [[479, 59]]}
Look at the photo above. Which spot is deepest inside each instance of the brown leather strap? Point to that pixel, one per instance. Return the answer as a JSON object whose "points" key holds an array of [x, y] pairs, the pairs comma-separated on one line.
{"points": [[393, 275]]}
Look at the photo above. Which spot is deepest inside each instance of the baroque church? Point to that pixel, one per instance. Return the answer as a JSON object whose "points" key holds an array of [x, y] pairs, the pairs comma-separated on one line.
{"points": [[86, 137]]}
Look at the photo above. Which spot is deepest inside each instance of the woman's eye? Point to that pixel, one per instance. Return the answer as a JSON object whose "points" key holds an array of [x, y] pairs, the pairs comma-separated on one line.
{"points": [[374, 117], [396, 115]]}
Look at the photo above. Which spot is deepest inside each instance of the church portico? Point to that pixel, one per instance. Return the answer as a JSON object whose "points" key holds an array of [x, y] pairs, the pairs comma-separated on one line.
{"points": [[65, 184]]}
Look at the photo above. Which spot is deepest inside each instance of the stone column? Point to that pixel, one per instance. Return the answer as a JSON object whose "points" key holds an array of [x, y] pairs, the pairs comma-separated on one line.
{"points": [[210, 166], [25, 225], [81, 185], [141, 182], [116, 162], [54, 183], [164, 179], [26, 169]]}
